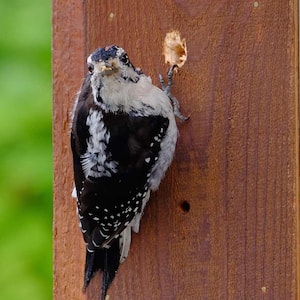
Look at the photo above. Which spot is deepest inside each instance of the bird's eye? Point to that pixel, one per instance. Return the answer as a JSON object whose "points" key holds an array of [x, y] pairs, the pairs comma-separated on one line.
{"points": [[124, 59], [91, 68]]}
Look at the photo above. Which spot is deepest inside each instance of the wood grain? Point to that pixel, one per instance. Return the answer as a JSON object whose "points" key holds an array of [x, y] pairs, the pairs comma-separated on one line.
{"points": [[68, 70], [236, 161]]}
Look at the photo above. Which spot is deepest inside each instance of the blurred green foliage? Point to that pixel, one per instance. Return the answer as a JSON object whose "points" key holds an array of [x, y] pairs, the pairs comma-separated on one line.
{"points": [[25, 150]]}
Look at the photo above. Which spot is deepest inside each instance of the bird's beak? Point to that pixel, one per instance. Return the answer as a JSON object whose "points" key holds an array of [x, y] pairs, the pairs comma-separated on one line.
{"points": [[105, 68]]}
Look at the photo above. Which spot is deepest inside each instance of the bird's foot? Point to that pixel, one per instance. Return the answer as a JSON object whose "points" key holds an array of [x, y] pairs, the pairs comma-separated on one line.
{"points": [[167, 89]]}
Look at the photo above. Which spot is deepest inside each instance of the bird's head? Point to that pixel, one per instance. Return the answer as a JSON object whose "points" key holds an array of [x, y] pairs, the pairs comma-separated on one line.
{"points": [[110, 60], [110, 70]]}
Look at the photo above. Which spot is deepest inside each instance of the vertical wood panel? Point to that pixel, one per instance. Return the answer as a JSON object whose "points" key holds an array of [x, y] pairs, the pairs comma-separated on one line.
{"points": [[68, 70], [236, 161]]}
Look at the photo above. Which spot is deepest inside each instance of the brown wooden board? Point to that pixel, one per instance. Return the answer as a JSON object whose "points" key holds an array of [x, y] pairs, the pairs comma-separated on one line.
{"points": [[236, 162]]}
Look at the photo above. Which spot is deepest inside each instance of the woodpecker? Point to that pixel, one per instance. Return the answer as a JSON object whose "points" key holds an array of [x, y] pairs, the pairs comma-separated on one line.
{"points": [[123, 138]]}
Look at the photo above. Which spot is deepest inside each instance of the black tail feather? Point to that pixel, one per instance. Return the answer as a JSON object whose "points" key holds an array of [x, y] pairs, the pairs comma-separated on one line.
{"points": [[106, 260], [89, 268]]}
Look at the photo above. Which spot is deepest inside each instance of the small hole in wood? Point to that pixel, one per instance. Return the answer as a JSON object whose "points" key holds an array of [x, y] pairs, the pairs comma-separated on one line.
{"points": [[184, 207]]}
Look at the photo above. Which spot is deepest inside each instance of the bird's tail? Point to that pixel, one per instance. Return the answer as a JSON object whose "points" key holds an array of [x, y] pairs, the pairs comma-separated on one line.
{"points": [[106, 260]]}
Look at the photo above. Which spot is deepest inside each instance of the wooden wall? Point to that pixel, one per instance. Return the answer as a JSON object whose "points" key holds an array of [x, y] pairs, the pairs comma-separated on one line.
{"points": [[236, 163]]}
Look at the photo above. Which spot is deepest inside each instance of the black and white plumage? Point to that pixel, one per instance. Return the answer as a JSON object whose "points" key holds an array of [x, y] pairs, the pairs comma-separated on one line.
{"points": [[123, 140]]}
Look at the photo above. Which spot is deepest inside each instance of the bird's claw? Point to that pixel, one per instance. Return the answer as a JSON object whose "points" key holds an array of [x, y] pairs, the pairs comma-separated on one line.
{"points": [[167, 89]]}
